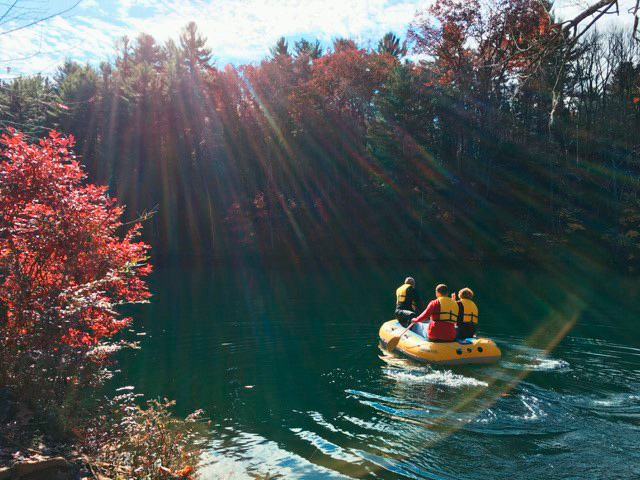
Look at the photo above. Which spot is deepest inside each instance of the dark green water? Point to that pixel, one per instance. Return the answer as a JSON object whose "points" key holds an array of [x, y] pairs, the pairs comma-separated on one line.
{"points": [[286, 364]]}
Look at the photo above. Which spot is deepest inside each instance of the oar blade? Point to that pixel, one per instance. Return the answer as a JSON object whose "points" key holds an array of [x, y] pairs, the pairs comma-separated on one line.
{"points": [[393, 343]]}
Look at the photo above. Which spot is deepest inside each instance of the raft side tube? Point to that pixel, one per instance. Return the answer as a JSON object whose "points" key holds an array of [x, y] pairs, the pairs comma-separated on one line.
{"points": [[468, 351]]}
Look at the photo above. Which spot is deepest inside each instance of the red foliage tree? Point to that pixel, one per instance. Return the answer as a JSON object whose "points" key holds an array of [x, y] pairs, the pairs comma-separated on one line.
{"points": [[346, 80], [64, 267], [487, 43]]}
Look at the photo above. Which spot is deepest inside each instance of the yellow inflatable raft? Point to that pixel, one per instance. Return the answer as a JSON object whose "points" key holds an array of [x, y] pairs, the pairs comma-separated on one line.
{"points": [[467, 351]]}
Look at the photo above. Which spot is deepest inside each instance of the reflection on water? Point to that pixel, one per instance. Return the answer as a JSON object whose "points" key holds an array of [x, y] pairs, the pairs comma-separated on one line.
{"points": [[287, 365]]}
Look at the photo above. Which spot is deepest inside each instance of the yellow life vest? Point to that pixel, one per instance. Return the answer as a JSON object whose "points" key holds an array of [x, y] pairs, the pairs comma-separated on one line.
{"points": [[448, 309], [401, 297], [470, 311]]}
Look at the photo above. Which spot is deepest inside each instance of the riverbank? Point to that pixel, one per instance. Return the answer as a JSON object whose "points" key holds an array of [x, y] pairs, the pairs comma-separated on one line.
{"points": [[29, 450], [118, 438]]}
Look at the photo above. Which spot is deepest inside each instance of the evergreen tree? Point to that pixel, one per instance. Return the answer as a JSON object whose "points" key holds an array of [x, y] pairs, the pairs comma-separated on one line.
{"points": [[27, 103], [197, 55], [281, 48], [390, 45], [340, 44], [76, 88], [146, 50], [123, 54], [311, 50], [264, 157]]}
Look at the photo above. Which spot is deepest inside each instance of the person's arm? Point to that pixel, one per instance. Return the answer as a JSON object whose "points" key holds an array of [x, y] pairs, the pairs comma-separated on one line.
{"points": [[431, 309]]}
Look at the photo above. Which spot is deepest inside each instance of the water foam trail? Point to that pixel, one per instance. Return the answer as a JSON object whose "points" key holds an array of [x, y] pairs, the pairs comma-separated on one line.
{"points": [[619, 400], [523, 357], [622, 405], [533, 408], [487, 417], [404, 370], [538, 364], [435, 377]]}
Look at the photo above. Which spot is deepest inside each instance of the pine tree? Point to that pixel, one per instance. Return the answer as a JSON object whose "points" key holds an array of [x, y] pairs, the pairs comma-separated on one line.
{"points": [[197, 55], [281, 48], [390, 44], [340, 44], [27, 103], [75, 100], [146, 50], [123, 54], [312, 50]]}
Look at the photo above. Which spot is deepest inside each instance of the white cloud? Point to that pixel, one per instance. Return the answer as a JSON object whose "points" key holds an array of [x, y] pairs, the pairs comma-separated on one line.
{"points": [[238, 31]]}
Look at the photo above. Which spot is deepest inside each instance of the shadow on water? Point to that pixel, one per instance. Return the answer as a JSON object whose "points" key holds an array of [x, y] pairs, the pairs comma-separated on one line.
{"points": [[286, 363]]}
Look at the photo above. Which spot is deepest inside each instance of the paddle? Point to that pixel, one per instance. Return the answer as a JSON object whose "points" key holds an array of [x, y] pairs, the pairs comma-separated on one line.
{"points": [[393, 343]]}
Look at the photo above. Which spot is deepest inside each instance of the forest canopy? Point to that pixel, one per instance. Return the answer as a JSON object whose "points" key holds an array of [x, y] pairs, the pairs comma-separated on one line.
{"points": [[485, 132]]}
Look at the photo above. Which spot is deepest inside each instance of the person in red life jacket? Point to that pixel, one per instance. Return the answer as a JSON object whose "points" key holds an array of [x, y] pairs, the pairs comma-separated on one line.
{"points": [[467, 313], [443, 313], [408, 302]]}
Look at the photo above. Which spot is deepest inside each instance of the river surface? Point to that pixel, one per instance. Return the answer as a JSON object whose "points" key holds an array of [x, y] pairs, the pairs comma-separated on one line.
{"points": [[286, 364]]}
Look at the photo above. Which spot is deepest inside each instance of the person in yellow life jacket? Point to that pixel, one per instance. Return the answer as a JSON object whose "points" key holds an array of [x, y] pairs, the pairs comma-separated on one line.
{"points": [[467, 314], [408, 302]]}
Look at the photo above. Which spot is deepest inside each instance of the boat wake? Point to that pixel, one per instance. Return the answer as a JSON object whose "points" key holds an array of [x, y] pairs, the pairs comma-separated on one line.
{"points": [[435, 377], [527, 358], [533, 409]]}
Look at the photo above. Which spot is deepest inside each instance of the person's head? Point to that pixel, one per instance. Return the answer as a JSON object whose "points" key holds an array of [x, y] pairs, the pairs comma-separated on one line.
{"points": [[410, 281], [466, 292], [442, 290]]}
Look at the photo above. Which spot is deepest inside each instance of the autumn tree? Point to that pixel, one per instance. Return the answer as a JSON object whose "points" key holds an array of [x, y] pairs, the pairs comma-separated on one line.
{"points": [[504, 127], [65, 269], [487, 43]]}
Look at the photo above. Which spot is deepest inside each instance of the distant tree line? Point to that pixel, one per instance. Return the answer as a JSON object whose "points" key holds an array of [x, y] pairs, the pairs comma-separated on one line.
{"points": [[498, 135]]}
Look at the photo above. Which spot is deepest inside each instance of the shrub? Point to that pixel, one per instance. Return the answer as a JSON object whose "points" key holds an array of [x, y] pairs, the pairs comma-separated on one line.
{"points": [[64, 269], [146, 442]]}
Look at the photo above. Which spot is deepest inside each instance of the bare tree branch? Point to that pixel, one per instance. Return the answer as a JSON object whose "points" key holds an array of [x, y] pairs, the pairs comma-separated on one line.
{"points": [[35, 21], [635, 20], [595, 19], [593, 9], [8, 10]]}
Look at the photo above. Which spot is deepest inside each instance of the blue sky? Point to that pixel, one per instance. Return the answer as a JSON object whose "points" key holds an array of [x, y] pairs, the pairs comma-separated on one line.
{"points": [[238, 31]]}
